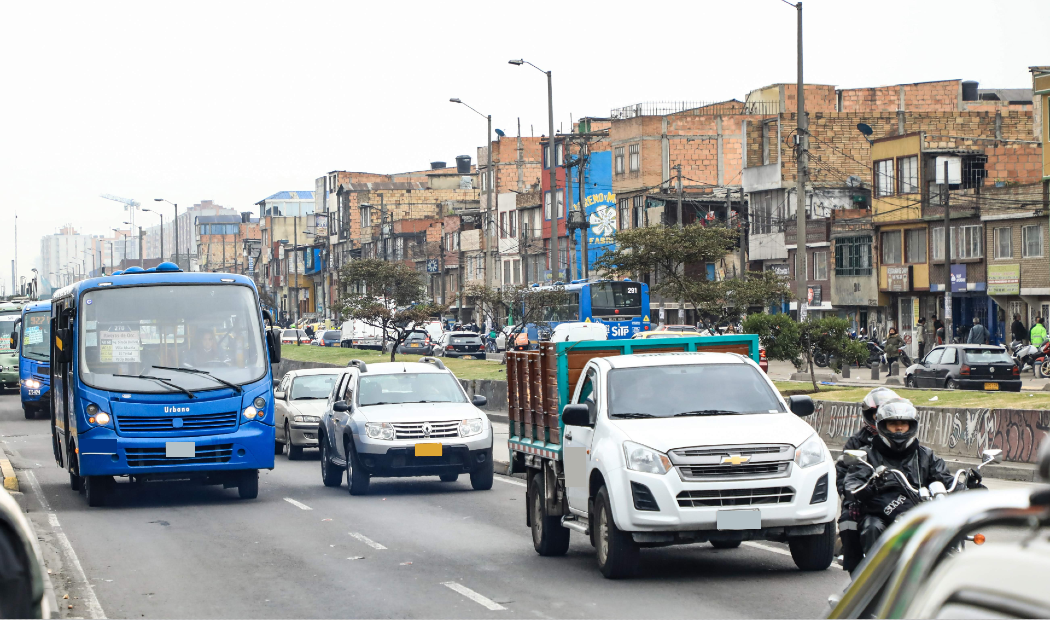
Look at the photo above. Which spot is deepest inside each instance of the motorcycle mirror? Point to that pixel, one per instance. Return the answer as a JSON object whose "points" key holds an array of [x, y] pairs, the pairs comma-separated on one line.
{"points": [[924, 494], [937, 488], [852, 457], [992, 456]]}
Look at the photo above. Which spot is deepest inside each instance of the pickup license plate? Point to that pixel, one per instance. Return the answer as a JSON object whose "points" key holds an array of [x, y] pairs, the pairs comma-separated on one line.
{"points": [[180, 449], [428, 449], [739, 519], [468, 357], [991, 386]]}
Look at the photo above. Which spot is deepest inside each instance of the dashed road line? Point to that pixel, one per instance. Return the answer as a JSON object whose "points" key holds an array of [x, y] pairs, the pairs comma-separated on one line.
{"points": [[484, 601], [298, 505], [776, 550], [508, 480], [368, 541]]}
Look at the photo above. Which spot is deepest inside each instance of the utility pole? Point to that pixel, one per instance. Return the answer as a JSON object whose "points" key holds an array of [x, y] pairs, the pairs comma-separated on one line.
{"points": [[947, 261], [553, 157], [490, 239], [678, 169], [14, 263], [295, 258], [523, 250], [803, 163], [743, 235], [585, 229], [441, 261], [142, 233]]}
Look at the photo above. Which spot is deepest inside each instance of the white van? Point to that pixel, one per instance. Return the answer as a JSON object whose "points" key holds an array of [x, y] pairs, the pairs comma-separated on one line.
{"points": [[575, 332]]}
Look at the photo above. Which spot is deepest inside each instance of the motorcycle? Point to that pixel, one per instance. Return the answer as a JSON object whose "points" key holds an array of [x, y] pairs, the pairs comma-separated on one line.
{"points": [[1044, 359], [1024, 354], [902, 356]]}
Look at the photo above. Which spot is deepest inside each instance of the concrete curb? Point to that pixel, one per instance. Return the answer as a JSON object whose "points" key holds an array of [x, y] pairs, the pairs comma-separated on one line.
{"points": [[8, 472]]}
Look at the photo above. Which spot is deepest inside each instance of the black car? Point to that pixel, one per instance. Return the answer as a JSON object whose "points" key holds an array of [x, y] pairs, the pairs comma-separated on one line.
{"points": [[966, 367], [417, 342], [461, 344]]}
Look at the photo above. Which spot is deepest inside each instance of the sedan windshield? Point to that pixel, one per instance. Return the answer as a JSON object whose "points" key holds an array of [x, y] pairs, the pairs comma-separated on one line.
{"points": [[312, 387], [686, 390], [131, 331], [430, 387], [987, 356], [36, 336]]}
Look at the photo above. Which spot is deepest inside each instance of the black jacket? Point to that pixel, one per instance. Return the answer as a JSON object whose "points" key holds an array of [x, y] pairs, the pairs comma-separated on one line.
{"points": [[888, 499], [1018, 331], [861, 440]]}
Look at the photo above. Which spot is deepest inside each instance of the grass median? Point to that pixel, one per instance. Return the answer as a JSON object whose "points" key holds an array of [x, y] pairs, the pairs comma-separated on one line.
{"points": [[463, 369], [924, 398]]}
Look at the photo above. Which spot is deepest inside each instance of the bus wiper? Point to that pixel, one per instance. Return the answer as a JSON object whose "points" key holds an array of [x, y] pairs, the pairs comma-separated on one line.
{"points": [[706, 412], [161, 380], [631, 416], [205, 373]]}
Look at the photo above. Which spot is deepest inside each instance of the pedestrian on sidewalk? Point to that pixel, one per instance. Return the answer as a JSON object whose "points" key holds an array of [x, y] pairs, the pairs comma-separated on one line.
{"points": [[978, 334], [922, 336], [892, 346], [1038, 334], [938, 329], [1018, 332]]}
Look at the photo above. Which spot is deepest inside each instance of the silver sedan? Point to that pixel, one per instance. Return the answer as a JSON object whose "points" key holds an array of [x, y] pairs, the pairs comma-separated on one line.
{"points": [[299, 402]]}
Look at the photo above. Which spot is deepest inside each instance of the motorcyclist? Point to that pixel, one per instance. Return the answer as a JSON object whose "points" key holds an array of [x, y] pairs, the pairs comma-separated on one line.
{"points": [[849, 520], [885, 498]]}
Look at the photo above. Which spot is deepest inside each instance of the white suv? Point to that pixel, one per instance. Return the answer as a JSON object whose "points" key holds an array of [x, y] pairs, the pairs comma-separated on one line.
{"points": [[401, 419]]}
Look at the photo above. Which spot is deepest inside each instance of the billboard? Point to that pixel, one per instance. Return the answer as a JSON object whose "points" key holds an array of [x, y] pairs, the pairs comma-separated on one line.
{"points": [[599, 203], [1004, 279]]}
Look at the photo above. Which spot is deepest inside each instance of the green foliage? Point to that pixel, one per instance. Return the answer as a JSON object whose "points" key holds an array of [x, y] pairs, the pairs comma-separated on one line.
{"points": [[529, 305], [856, 352], [779, 334]]}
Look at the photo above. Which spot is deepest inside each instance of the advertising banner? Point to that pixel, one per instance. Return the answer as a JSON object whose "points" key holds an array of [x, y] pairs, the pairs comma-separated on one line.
{"points": [[599, 204], [1004, 280]]}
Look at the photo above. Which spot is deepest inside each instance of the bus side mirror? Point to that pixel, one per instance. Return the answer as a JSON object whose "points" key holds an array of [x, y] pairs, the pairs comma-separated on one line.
{"points": [[268, 317], [274, 345], [63, 345]]}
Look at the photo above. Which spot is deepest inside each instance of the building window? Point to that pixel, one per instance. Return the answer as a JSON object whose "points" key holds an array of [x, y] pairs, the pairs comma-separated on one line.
{"points": [[908, 175], [639, 212], [559, 158], [820, 265], [546, 157], [966, 242], [561, 204], [503, 225], [366, 217], [853, 256], [766, 128], [1032, 241], [635, 157], [915, 245], [506, 272], [512, 221], [891, 248], [619, 160], [516, 271], [1003, 240], [546, 205], [625, 213], [937, 243], [451, 242], [884, 177]]}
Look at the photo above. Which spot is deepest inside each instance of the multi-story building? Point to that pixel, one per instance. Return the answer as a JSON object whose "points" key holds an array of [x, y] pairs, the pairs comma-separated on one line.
{"points": [[66, 256]]}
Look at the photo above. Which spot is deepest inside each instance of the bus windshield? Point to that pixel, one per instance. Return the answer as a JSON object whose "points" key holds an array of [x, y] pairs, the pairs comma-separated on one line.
{"points": [[131, 331], [623, 296], [7, 326], [36, 336]]}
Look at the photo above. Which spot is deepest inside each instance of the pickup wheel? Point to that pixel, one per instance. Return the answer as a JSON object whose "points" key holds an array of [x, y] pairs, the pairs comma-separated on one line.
{"points": [[481, 477], [331, 475], [248, 486], [357, 479], [813, 552], [549, 536], [617, 551]]}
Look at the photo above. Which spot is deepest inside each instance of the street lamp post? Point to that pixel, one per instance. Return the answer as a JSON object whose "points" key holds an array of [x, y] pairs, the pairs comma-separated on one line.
{"points": [[175, 223], [553, 255], [161, 231], [489, 241]]}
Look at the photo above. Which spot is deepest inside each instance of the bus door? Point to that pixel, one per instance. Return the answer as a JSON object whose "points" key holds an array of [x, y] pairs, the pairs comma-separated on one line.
{"points": [[63, 423]]}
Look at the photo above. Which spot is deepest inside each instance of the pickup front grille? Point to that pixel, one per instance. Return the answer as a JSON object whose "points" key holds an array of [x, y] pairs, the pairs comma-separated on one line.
{"points": [[169, 423], [426, 430], [720, 472], [720, 451], [736, 497], [154, 457]]}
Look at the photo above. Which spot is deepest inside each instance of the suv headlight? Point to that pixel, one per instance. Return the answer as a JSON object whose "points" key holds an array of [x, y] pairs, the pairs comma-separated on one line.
{"points": [[379, 430], [810, 453], [470, 427], [641, 458], [305, 418]]}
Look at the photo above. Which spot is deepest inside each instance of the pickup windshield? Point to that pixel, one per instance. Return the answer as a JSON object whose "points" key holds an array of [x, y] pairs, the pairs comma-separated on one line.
{"points": [[687, 390], [436, 387], [36, 336], [131, 331]]}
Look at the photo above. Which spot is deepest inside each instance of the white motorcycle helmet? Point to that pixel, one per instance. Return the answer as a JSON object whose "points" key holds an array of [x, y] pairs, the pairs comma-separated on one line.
{"points": [[897, 410], [870, 405]]}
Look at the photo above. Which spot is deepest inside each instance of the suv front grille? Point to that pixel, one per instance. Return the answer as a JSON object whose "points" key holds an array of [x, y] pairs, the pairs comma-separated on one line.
{"points": [[718, 472], [154, 457], [161, 424], [416, 430], [736, 497]]}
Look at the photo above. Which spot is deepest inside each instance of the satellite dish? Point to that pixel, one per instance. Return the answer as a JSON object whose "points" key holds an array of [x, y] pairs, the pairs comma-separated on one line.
{"points": [[499, 132], [864, 129]]}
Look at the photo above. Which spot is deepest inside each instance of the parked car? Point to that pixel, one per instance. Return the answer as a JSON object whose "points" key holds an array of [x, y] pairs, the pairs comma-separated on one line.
{"points": [[22, 570], [403, 419], [299, 401], [966, 367], [329, 338], [417, 342], [577, 331], [464, 345], [288, 336]]}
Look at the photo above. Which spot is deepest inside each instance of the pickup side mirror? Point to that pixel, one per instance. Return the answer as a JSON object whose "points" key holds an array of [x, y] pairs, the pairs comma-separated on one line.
{"points": [[479, 400], [576, 415], [276, 382], [853, 457], [341, 406], [278, 395], [801, 406], [274, 345]]}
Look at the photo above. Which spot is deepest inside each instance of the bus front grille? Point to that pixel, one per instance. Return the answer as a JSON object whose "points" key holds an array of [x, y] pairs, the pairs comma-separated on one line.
{"points": [[155, 457], [168, 424]]}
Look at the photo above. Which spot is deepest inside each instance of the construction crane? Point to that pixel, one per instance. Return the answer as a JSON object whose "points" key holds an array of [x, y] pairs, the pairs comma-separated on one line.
{"points": [[129, 205]]}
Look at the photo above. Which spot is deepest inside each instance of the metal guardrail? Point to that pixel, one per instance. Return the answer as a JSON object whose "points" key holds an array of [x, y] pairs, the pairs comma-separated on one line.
{"points": [[697, 108]]}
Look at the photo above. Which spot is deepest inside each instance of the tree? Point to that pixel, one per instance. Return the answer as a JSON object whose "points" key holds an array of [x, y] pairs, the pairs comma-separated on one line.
{"points": [[390, 296], [779, 334], [527, 305], [672, 253], [488, 301]]}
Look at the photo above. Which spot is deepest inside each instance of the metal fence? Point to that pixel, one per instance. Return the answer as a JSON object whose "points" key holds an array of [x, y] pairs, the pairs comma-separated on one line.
{"points": [[698, 108]]}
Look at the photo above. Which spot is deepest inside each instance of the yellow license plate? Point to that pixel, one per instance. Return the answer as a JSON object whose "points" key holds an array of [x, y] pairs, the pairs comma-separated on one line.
{"points": [[991, 386], [413, 345], [470, 357], [428, 449]]}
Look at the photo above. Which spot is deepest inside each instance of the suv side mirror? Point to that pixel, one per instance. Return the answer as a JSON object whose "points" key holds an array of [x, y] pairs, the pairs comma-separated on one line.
{"points": [[576, 415], [278, 395], [479, 400], [992, 456], [801, 406], [340, 406]]}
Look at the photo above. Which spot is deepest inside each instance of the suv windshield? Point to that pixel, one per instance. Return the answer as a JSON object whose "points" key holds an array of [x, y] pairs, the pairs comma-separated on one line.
{"points": [[694, 389], [986, 356], [312, 387], [128, 331], [36, 336], [429, 387]]}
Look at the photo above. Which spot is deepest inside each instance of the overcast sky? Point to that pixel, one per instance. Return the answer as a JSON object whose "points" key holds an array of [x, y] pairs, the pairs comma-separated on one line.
{"points": [[233, 101]]}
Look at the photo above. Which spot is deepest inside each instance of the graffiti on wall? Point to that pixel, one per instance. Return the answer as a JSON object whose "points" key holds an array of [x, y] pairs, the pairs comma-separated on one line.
{"points": [[959, 432]]}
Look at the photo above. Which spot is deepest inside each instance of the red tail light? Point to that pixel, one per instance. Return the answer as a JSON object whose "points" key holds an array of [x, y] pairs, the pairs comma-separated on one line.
{"points": [[965, 370], [449, 348], [1017, 371]]}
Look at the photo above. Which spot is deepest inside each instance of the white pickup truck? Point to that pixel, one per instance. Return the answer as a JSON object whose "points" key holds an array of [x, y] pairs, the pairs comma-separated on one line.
{"points": [[673, 448]]}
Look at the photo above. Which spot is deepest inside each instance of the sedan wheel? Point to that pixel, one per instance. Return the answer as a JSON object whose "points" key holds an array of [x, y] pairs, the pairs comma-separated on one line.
{"points": [[909, 381], [951, 384]]}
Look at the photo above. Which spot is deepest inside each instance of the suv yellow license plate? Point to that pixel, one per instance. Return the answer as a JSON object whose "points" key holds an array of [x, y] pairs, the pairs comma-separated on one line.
{"points": [[991, 386], [428, 449]]}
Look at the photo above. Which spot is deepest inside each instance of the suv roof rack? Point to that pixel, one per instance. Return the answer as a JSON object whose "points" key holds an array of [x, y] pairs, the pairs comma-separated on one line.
{"points": [[358, 364], [432, 360]]}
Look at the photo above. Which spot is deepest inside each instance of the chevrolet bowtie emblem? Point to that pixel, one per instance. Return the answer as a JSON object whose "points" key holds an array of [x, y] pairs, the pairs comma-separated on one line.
{"points": [[735, 459]]}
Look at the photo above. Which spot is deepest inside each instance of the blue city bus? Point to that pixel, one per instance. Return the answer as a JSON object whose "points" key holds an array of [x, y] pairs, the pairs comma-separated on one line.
{"points": [[162, 375], [33, 338], [622, 306]]}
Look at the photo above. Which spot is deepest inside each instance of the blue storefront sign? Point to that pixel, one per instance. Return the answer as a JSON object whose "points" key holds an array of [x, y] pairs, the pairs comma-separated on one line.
{"points": [[599, 204], [958, 278]]}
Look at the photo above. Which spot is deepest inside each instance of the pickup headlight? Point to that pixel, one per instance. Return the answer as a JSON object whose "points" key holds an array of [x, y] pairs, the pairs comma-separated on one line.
{"points": [[470, 427], [810, 453], [305, 418], [641, 458], [379, 430]]}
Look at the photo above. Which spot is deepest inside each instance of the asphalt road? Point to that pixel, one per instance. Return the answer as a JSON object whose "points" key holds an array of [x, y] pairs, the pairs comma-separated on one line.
{"points": [[411, 548]]}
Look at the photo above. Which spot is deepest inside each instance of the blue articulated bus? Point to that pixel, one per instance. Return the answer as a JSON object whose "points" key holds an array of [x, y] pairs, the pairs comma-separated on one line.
{"points": [[622, 306], [162, 375], [33, 339]]}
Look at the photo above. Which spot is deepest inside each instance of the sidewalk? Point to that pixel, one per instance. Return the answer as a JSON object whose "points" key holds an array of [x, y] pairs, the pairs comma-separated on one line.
{"points": [[861, 377]]}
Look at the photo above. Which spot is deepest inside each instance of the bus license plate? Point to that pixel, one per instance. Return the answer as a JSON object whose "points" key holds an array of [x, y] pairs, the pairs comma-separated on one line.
{"points": [[428, 449], [34, 392], [180, 449], [739, 520], [991, 386]]}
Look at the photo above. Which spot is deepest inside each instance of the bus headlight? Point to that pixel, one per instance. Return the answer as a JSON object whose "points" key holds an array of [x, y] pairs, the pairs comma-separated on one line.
{"points": [[102, 418], [250, 413], [32, 384], [259, 402]]}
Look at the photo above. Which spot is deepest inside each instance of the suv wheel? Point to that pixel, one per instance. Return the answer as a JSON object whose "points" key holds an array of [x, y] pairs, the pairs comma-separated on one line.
{"points": [[549, 536], [331, 475], [356, 478], [481, 476], [909, 381], [813, 552], [617, 551]]}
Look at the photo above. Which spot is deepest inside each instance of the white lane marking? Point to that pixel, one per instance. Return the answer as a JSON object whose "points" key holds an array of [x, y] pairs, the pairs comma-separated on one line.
{"points": [[509, 480], [775, 550], [368, 541], [484, 601], [94, 610], [298, 505], [36, 489]]}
